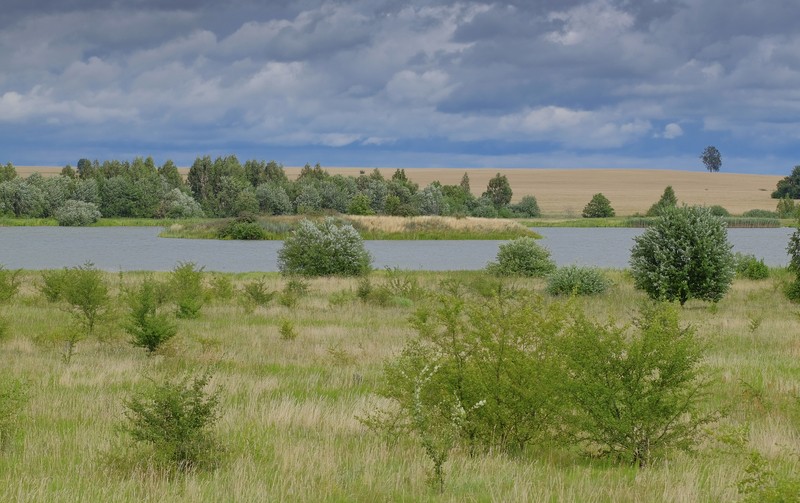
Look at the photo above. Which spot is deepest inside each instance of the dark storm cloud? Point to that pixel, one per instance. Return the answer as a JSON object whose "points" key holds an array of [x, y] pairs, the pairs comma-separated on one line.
{"points": [[623, 77]]}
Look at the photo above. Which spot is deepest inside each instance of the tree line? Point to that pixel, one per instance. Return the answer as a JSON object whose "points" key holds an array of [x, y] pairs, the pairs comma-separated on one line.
{"points": [[224, 187]]}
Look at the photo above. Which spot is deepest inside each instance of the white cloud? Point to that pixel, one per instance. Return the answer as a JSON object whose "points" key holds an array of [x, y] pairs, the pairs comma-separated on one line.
{"points": [[672, 131]]}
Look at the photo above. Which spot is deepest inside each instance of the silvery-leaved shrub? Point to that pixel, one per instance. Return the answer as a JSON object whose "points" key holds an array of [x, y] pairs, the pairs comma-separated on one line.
{"points": [[522, 257], [178, 204], [324, 249], [684, 255], [77, 213], [577, 280]]}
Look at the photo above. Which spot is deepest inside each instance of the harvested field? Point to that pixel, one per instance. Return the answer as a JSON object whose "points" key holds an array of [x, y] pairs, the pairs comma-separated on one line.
{"points": [[564, 192]]}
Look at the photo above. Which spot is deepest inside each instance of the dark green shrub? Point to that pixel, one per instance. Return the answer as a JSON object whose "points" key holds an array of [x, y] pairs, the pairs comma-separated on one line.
{"points": [[577, 280], [760, 214], [748, 266], [174, 418], [9, 283], [635, 395], [719, 211], [243, 228], [522, 257], [527, 207], [668, 200], [13, 397], [148, 328], [77, 213], [788, 186], [186, 287], [684, 255], [324, 249], [598, 207]]}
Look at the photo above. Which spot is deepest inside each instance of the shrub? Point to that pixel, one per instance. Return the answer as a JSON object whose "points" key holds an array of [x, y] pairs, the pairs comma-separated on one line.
{"points": [[256, 292], [287, 330], [748, 266], [668, 200], [52, 284], [242, 231], [576, 280], [77, 213], [598, 207], [9, 283], [178, 204], [324, 249], [186, 286], [85, 291], [789, 186], [718, 211], [786, 208], [522, 257], [527, 207], [488, 359], [685, 254], [174, 418], [635, 395], [222, 287], [13, 397], [760, 214], [148, 328]]}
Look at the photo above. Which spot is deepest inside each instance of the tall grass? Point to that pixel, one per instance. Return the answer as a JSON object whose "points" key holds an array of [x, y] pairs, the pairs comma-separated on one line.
{"points": [[289, 406]]}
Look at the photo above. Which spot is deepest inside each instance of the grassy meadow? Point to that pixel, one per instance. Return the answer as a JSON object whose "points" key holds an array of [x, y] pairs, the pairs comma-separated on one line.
{"points": [[564, 192], [289, 408]]}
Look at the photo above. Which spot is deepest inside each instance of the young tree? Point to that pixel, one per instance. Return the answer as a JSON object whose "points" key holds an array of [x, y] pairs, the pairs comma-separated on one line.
{"points": [[324, 249], [711, 158], [684, 255], [598, 207], [498, 191], [668, 200]]}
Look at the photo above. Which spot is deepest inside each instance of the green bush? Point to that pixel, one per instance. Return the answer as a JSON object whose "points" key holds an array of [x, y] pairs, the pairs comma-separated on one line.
{"points": [[13, 397], [598, 207], [77, 213], [9, 283], [256, 292], [488, 358], [178, 204], [684, 255], [148, 328], [668, 200], [52, 284], [186, 287], [635, 395], [324, 249], [242, 231], [760, 214], [719, 211], [576, 280], [522, 257], [86, 293], [174, 419], [748, 266], [527, 207]]}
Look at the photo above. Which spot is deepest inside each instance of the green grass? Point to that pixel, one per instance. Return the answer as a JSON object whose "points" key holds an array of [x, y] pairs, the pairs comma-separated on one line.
{"points": [[638, 222], [289, 408]]}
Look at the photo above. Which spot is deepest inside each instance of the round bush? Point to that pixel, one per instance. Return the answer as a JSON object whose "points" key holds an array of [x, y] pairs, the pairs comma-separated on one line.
{"points": [[760, 214], [748, 266], [528, 207], [324, 249], [522, 257], [598, 207], [719, 211], [77, 213], [242, 230], [576, 280], [684, 255]]}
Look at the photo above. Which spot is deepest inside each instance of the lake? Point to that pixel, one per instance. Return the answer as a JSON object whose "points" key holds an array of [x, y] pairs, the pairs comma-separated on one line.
{"points": [[140, 248]]}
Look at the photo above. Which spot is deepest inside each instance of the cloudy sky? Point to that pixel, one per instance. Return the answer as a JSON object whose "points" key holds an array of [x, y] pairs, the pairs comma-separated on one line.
{"points": [[522, 83]]}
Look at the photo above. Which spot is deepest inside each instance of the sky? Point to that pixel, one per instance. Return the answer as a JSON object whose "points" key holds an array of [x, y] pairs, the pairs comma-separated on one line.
{"points": [[420, 83]]}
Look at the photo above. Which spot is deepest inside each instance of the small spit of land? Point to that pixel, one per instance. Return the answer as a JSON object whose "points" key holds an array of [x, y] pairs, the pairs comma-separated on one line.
{"points": [[289, 408]]}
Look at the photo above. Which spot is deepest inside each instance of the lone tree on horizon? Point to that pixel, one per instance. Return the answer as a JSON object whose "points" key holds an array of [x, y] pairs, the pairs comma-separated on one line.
{"points": [[711, 158]]}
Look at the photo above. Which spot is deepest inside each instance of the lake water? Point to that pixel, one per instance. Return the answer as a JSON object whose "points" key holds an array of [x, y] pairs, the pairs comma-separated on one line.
{"points": [[140, 248]]}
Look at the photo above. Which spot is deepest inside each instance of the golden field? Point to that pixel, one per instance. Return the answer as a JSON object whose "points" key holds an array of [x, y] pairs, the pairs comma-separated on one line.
{"points": [[564, 192]]}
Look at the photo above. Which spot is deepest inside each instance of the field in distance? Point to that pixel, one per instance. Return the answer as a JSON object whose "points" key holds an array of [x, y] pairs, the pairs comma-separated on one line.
{"points": [[564, 192]]}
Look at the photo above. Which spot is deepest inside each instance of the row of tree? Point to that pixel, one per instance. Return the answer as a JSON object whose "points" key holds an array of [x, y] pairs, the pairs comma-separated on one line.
{"points": [[224, 187]]}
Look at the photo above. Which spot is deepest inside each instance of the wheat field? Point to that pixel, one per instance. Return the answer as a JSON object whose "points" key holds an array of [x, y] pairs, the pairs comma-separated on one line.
{"points": [[564, 192]]}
